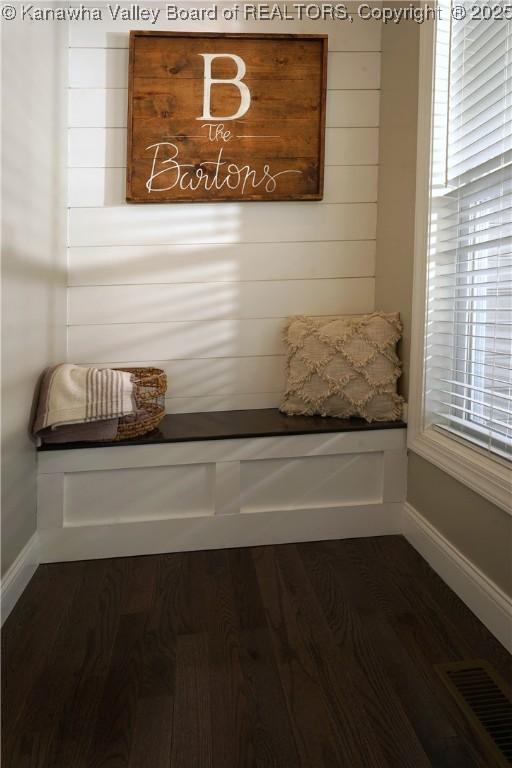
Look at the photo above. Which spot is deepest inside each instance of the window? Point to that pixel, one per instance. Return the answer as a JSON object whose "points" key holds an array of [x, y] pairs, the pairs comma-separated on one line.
{"points": [[468, 344]]}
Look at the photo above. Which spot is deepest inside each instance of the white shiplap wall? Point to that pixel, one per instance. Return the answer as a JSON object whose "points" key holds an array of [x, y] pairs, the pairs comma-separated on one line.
{"points": [[203, 290]]}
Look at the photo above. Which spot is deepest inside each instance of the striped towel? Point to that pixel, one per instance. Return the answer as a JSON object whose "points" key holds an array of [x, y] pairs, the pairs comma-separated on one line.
{"points": [[69, 394]]}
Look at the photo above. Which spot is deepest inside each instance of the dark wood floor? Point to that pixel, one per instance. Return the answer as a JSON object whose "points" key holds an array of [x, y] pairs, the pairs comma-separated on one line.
{"points": [[315, 655]]}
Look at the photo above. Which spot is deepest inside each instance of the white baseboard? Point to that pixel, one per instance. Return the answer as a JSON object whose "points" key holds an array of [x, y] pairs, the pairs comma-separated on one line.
{"points": [[482, 596], [18, 576], [218, 532]]}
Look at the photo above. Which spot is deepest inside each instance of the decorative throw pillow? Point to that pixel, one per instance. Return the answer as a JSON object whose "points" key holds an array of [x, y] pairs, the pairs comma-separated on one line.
{"points": [[343, 366]]}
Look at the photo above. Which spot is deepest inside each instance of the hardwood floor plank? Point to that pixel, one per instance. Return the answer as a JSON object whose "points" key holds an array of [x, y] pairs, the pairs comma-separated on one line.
{"points": [[140, 585], [151, 739], [158, 644], [250, 609], [192, 730], [191, 610], [152, 727], [111, 742], [232, 739], [268, 710]]}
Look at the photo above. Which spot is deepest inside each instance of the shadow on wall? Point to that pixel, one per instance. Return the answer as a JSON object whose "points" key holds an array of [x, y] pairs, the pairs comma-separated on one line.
{"points": [[34, 113]]}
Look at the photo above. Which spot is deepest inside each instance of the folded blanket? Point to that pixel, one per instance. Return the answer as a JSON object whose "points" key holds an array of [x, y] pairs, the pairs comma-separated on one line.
{"points": [[71, 395], [90, 431]]}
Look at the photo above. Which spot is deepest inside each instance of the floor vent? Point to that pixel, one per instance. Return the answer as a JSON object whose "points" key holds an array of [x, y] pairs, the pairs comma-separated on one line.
{"points": [[486, 702]]}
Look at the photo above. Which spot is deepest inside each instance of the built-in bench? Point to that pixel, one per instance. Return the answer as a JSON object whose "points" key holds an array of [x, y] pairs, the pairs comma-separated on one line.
{"points": [[221, 479]]}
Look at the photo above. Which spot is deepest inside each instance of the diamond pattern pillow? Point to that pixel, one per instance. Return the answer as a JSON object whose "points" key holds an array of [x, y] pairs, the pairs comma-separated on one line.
{"points": [[343, 366]]}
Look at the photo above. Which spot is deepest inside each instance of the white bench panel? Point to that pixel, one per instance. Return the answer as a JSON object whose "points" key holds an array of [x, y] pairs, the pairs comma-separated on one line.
{"points": [[127, 495], [319, 481]]}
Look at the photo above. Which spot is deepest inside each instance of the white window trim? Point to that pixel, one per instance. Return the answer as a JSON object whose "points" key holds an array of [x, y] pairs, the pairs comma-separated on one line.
{"points": [[490, 478]]}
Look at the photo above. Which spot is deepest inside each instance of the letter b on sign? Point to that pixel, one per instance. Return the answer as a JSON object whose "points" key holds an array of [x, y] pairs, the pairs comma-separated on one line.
{"points": [[245, 94]]}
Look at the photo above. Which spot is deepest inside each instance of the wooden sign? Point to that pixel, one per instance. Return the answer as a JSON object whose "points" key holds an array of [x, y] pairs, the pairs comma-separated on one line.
{"points": [[216, 117]]}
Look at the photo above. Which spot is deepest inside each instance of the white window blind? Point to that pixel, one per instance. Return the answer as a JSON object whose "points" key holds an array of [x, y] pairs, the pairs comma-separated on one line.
{"points": [[469, 314]]}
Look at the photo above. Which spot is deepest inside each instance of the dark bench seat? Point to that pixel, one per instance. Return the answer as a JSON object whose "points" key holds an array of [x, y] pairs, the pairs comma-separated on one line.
{"points": [[222, 425]]}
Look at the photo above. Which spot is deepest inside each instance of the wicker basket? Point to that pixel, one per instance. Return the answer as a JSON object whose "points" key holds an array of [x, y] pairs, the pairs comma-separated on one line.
{"points": [[150, 386]]}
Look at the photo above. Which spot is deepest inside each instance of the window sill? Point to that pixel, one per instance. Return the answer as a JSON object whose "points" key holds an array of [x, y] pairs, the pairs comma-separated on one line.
{"points": [[491, 479]]}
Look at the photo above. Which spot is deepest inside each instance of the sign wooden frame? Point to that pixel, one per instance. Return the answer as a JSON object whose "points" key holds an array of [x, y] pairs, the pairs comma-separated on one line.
{"points": [[180, 150]]}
